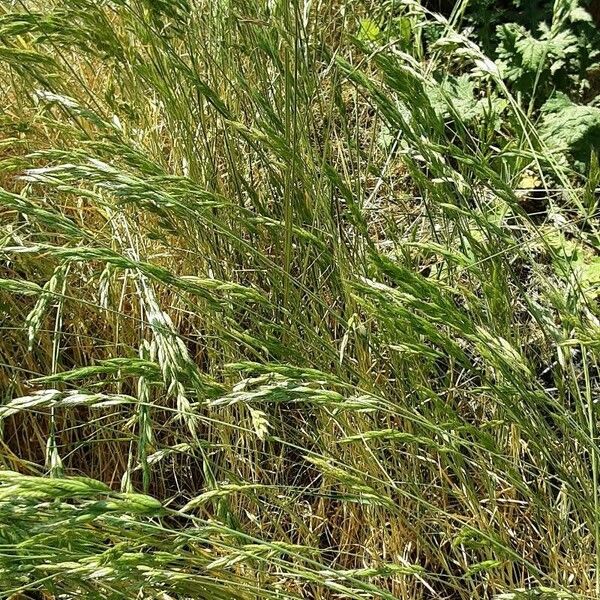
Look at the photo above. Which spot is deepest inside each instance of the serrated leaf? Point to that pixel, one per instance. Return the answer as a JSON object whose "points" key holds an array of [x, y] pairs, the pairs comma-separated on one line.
{"points": [[368, 31]]}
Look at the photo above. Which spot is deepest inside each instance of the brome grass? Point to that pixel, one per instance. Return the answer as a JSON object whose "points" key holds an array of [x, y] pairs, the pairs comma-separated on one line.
{"points": [[277, 319]]}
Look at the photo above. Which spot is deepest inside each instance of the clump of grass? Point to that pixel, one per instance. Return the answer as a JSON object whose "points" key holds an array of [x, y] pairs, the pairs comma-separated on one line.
{"points": [[277, 320]]}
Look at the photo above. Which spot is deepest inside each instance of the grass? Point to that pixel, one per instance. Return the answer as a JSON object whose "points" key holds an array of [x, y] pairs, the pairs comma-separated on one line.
{"points": [[277, 320]]}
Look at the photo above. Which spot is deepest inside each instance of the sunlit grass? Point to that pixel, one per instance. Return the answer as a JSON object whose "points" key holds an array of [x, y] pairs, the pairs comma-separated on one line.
{"points": [[276, 322]]}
